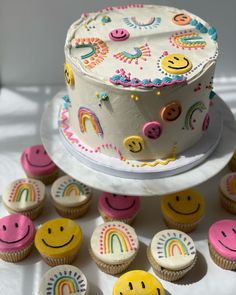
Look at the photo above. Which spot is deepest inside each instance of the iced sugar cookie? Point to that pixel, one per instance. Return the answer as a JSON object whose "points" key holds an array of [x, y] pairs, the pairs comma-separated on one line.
{"points": [[228, 192], [37, 164], [63, 279], [183, 210], [118, 207], [113, 246], [58, 241], [25, 196], [16, 237], [172, 254], [138, 282], [71, 198], [222, 243]]}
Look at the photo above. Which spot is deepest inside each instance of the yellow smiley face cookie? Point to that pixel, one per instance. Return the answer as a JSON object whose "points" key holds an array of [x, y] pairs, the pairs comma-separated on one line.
{"points": [[176, 64], [138, 282], [58, 237], [183, 207], [134, 143], [69, 76]]}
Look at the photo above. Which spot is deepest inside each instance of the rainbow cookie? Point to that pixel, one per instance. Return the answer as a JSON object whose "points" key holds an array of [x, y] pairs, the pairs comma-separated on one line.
{"points": [[63, 279], [25, 196], [222, 243], [228, 192], [113, 246], [16, 237], [37, 164], [58, 241], [232, 163], [70, 197], [138, 282], [172, 254], [118, 207], [183, 210]]}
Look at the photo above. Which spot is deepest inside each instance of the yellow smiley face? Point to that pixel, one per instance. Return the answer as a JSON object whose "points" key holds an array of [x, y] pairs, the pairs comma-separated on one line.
{"points": [[176, 64], [69, 76], [138, 282], [134, 143], [186, 206], [58, 237]]}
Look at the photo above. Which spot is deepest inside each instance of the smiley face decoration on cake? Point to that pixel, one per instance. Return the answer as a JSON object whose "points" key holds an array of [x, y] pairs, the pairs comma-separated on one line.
{"points": [[118, 207], [58, 241], [16, 237], [138, 282], [222, 243]]}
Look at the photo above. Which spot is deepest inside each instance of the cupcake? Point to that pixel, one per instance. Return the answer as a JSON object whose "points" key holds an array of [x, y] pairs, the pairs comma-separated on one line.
{"points": [[172, 254], [63, 278], [118, 207], [58, 241], [113, 246], [25, 196], [183, 210], [70, 197], [37, 164], [232, 163], [138, 282], [222, 243], [228, 192], [16, 237]]}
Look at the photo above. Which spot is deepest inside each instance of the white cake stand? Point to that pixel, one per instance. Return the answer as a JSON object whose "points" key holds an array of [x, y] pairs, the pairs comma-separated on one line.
{"points": [[73, 166]]}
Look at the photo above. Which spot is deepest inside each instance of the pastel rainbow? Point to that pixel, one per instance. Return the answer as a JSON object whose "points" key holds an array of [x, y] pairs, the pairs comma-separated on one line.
{"points": [[85, 114], [198, 106], [188, 40], [231, 185], [19, 190], [123, 239], [141, 52], [133, 22], [173, 243], [70, 188], [61, 283]]}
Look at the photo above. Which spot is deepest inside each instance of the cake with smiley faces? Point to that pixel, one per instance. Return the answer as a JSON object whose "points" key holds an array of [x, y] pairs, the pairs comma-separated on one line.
{"points": [[139, 78], [58, 241], [183, 210]]}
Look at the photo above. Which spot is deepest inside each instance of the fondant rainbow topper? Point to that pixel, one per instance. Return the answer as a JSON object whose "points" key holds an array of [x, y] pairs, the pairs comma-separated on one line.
{"points": [[173, 244], [23, 189], [85, 114], [69, 189], [231, 184]]}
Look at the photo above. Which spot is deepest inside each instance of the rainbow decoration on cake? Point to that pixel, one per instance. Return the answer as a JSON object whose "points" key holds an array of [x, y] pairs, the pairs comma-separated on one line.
{"points": [[190, 40], [188, 122], [97, 50], [113, 234], [85, 114], [134, 23], [141, 52], [23, 190], [231, 184]]}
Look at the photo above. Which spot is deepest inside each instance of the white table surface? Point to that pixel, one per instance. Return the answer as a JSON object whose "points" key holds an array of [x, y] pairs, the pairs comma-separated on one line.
{"points": [[20, 114]]}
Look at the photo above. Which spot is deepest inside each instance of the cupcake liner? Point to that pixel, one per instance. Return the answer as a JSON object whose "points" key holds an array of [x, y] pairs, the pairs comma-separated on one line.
{"points": [[31, 213], [46, 179], [227, 204], [108, 218], [220, 260], [54, 261], [72, 212], [166, 274], [112, 269], [185, 227], [18, 255]]}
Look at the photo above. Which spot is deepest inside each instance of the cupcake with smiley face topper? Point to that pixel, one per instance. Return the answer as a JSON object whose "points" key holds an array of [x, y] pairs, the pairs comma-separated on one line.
{"points": [[118, 207], [183, 210], [37, 164], [16, 237]]}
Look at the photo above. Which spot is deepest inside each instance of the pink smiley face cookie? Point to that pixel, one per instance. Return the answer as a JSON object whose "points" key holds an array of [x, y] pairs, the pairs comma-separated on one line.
{"points": [[222, 237], [119, 35], [152, 130]]}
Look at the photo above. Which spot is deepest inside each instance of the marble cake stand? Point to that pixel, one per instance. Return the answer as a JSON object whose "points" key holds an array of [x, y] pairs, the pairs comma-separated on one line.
{"points": [[71, 165]]}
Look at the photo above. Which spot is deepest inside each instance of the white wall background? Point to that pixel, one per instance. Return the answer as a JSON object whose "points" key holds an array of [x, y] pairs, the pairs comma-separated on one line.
{"points": [[32, 34]]}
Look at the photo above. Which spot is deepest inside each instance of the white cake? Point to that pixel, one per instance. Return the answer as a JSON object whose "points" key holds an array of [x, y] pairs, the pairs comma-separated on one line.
{"points": [[139, 80]]}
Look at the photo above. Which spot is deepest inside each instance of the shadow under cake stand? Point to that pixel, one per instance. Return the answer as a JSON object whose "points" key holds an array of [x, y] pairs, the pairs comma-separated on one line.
{"points": [[99, 171]]}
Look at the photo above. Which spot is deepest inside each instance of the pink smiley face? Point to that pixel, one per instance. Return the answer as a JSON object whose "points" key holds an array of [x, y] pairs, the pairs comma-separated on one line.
{"points": [[152, 130], [119, 206], [119, 35], [206, 122], [222, 236]]}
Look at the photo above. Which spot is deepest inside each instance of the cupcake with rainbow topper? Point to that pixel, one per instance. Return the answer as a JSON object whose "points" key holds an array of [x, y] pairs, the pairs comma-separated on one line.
{"points": [[228, 192], [64, 278], [113, 246], [16, 237], [25, 196], [70, 197], [37, 164], [172, 254]]}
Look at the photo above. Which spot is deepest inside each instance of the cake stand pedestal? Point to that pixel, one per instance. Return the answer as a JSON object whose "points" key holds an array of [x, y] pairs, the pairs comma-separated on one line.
{"points": [[57, 150]]}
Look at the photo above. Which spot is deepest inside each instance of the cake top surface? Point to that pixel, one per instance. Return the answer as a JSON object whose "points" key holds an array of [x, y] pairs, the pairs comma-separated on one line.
{"points": [[141, 45]]}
